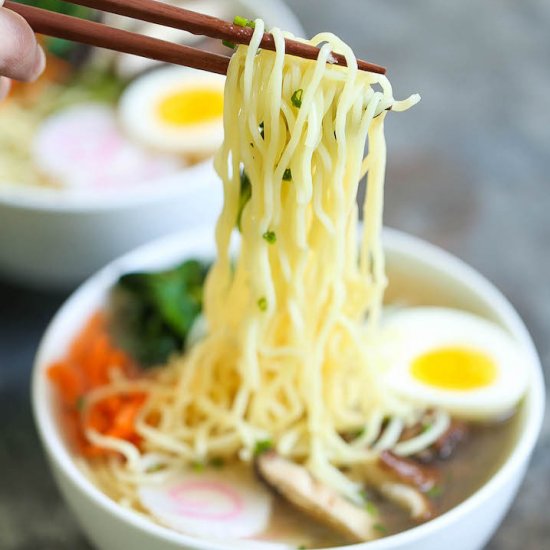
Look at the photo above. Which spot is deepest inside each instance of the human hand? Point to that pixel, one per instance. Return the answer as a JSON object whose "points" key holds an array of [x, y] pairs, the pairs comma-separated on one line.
{"points": [[21, 58]]}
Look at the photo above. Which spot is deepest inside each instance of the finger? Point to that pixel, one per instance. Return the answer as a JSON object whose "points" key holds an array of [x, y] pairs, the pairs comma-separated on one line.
{"points": [[5, 85], [20, 55]]}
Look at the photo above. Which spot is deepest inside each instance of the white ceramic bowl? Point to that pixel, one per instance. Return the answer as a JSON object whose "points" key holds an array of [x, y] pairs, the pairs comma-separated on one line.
{"points": [[418, 269], [55, 239]]}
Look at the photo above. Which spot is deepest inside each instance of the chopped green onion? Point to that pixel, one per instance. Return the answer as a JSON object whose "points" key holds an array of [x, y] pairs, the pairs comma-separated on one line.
{"points": [[380, 528], [263, 446], [425, 427], [364, 494], [371, 508], [197, 466], [241, 21], [297, 98], [287, 175], [217, 462], [360, 432], [244, 22], [435, 491], [262, 303], [80, 402], [228, 44], [270, 237], [244, 197], [301, 547], [155, 468]]}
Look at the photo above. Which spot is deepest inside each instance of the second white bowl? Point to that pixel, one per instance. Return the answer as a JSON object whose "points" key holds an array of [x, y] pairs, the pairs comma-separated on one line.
{"points": [[55, 239]]}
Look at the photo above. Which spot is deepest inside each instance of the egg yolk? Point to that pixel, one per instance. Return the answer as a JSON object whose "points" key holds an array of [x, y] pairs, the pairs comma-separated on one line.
{"points": [[454, 369], [191, 106]]}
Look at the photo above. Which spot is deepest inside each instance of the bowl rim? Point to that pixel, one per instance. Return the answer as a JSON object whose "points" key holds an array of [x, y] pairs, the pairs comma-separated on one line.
{"points": [[396, 242], [185, 181]]}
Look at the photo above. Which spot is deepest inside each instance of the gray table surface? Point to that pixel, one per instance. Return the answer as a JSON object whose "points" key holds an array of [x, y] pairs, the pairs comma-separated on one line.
{"points": [[468, 170]]}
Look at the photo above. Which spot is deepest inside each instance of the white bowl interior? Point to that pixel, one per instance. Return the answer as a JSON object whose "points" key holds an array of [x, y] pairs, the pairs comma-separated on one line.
{"points": [[423, 273]]}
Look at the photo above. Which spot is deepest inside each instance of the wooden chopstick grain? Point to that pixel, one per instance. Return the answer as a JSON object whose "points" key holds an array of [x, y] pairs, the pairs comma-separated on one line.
{"points": [[102, 36], [206, 25]]}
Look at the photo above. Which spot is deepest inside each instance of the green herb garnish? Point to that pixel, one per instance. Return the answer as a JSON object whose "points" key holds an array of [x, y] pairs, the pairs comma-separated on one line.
{"points": [[270, 237], [152, 313], [217, 462], [382, 529], [297, 98], [244, 197], [262, 303], [241, 21], [371, 508], [263, 446], [435, 492], [80, 402], [287, 175], [198, 466], [228, 44], [359, 433], [244, 22], [155, 468]]}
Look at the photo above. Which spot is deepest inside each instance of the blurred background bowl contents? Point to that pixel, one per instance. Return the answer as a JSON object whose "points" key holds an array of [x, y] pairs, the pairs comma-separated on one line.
{"points": [[78, 127], [107, 150]]}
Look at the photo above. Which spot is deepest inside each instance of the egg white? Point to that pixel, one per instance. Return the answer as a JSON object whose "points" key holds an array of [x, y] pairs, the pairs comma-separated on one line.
{"points": [[413, 332], [141, 122]]}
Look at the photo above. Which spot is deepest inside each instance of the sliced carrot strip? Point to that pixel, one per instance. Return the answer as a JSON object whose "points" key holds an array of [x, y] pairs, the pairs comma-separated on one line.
{"points": [[68, 382], [88, 365]]}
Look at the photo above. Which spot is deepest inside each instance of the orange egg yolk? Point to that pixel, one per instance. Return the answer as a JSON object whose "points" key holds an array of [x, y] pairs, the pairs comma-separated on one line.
{"points": [[454, 369], [191, 106]]}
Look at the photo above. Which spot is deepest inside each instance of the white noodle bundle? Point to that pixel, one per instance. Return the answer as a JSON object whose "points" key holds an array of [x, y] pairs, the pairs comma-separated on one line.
{"points": [[289, 356]]}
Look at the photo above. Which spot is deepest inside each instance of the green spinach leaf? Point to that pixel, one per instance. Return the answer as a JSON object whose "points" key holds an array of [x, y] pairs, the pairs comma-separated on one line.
{"points": [[152, 313]]}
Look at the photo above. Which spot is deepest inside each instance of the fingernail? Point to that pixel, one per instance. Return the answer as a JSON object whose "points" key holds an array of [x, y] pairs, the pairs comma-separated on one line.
{"points": [[39, 63], [5, 85]]}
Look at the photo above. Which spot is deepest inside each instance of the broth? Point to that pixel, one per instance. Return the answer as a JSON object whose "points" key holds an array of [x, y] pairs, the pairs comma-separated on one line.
{"points": [[471, 465], [473, 462]]}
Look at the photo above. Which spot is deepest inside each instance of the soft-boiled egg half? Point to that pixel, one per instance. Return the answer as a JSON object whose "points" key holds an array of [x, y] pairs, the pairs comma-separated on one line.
{"points": [[175, 110], [456, 361]]}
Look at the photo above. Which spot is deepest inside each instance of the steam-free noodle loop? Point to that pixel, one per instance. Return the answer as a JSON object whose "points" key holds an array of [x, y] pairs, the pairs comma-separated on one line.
{"points": [[288, 356]]}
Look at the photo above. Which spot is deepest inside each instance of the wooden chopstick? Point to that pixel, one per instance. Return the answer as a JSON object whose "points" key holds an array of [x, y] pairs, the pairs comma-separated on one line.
{"points": [[206, 25], [96, 34]]}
